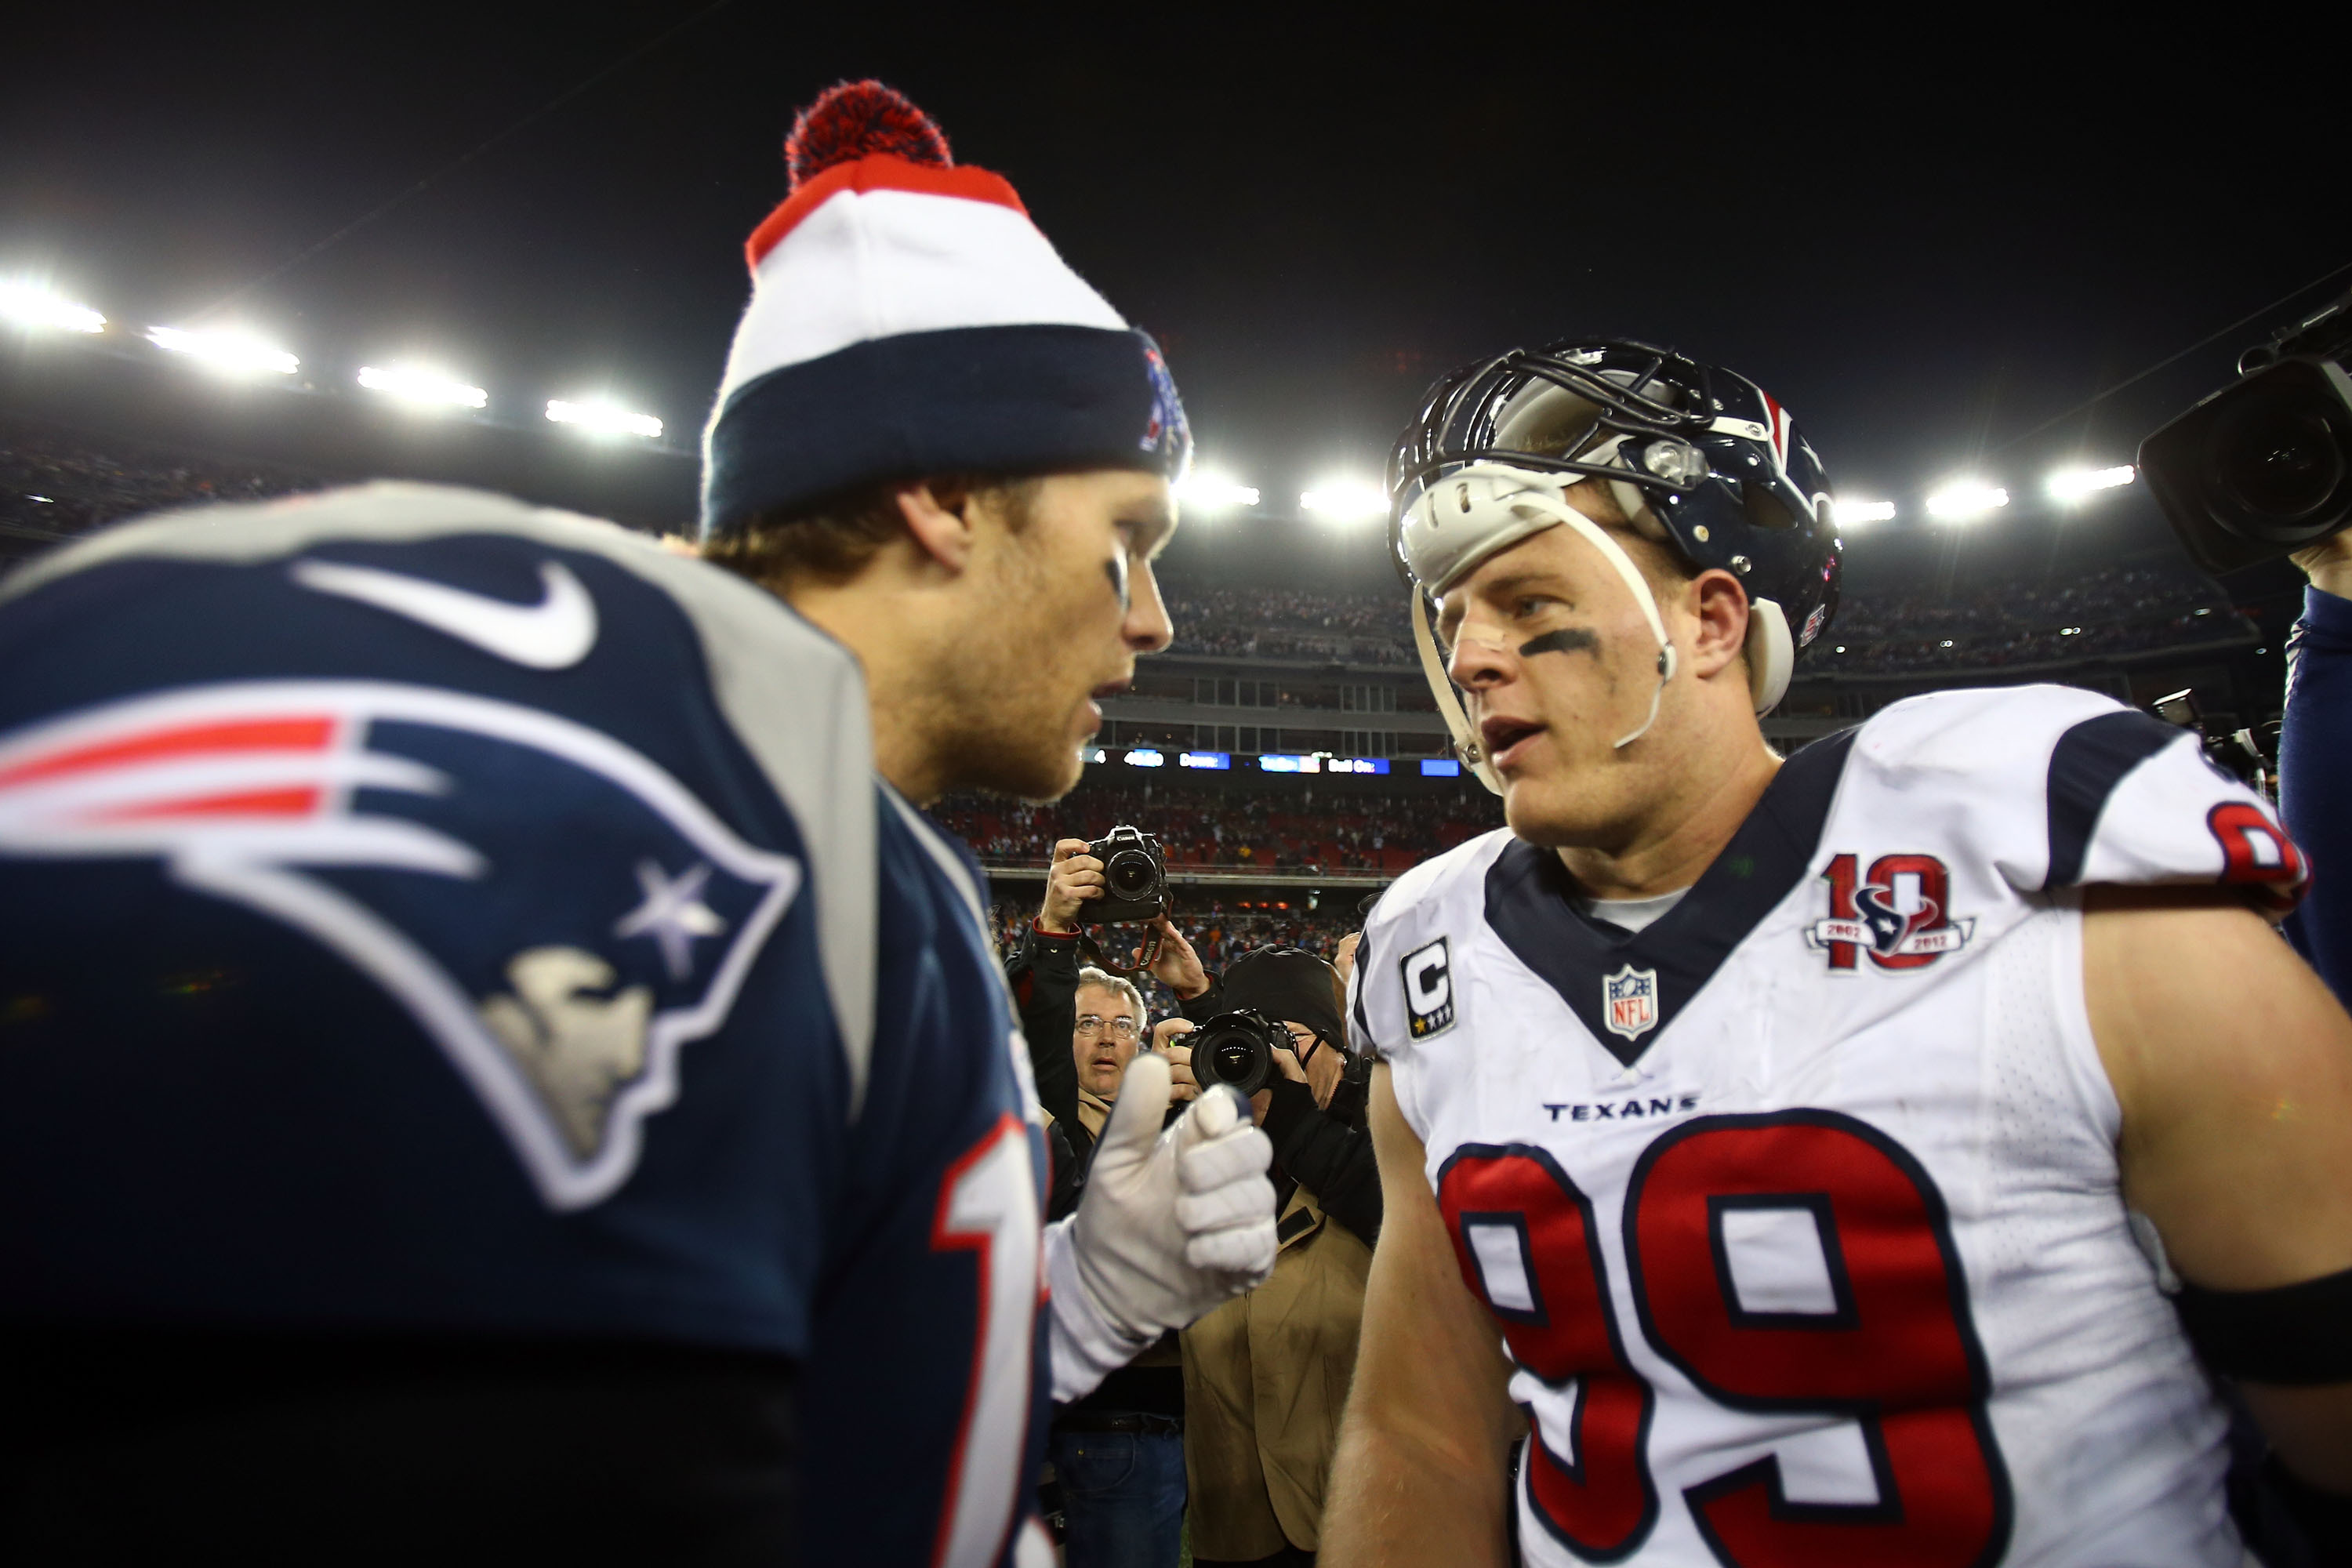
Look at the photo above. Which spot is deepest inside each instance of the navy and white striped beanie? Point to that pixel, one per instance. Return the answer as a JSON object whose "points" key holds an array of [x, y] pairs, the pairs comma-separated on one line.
{"points": [[907, 318]]}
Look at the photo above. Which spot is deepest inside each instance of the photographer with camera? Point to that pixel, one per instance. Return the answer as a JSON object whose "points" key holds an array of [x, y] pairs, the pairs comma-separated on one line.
{"points": [[1044, 972], [1266, 1376]]}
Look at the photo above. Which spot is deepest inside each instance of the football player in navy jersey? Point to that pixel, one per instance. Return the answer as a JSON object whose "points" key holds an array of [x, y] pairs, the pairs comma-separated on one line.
{"points": [[494, 1061], [1839, 1159]]}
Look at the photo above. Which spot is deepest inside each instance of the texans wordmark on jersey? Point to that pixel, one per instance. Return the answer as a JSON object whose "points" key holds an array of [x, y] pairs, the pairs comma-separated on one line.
{"points": [[1797, 1212]]}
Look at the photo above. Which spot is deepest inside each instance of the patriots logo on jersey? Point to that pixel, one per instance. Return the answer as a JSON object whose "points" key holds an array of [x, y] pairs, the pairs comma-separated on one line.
{"points": [[556, 912]]}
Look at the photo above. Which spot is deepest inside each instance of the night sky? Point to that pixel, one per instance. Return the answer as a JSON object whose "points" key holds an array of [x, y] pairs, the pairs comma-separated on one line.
{"points": [[1926, 229]]}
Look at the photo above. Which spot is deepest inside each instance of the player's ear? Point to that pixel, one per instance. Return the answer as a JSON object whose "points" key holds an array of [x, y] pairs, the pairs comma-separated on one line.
{"points": [[1719, 607], [940, 514]]}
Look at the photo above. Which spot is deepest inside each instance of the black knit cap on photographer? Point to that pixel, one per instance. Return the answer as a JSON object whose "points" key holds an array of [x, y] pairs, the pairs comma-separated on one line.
{"points": [[1327, 1150]]}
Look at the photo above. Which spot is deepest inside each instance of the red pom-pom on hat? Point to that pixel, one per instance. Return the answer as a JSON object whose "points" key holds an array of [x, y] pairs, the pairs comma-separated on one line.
{"points": [[852, 120]]}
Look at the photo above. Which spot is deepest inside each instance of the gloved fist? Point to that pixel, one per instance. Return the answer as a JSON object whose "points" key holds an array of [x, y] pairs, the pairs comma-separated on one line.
{"points": [[1172, 1222]]}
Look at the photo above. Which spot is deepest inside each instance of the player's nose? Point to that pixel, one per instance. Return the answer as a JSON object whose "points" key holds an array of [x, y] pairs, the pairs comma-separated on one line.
{"points": [[1146, 628], [1476, 662]]}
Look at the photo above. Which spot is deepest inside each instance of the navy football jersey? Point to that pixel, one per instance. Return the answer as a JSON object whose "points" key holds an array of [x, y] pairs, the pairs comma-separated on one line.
{"points": [[424, 914]]}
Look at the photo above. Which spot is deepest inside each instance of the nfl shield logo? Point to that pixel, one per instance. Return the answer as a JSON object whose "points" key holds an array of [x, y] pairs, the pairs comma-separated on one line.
{"points": [[1631, 996]]}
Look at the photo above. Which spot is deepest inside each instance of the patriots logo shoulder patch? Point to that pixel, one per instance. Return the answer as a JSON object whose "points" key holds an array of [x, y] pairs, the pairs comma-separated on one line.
{"points": [[556, 912]]}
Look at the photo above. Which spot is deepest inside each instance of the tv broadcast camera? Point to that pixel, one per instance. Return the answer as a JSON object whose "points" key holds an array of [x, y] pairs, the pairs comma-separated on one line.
{"points": [[1135, 877], [2263, 467]]}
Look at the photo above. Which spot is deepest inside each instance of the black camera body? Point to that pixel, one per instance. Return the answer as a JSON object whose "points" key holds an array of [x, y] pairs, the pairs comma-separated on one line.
{"points": [[2261, 468], [1135, 877], [2249, 756], [1238, 1049]]}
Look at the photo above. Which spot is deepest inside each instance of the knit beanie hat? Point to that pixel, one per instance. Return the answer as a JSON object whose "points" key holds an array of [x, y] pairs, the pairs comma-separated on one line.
{"points": [[907, 318]]}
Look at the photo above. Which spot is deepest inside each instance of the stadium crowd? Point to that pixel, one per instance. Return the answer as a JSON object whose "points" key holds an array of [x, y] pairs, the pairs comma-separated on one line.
{"points": [[1245, 830], [1292, 624], [2118, 609], [56, 484]]}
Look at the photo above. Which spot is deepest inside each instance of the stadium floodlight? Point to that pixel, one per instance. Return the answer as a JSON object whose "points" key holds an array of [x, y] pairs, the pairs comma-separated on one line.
{"points": [[1346, 500], [31, 305], [1214, 492], [2074, 484], [231, 351], [411, 384], [604, 419], [1965, 500], [1852, 514]]}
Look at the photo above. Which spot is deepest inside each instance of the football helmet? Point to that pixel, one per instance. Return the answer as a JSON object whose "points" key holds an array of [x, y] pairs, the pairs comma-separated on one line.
{"points": [[1699, 458]]}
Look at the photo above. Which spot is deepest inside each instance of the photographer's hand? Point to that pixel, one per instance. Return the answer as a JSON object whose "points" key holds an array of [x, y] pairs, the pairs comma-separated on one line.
{"points": [[1326, 1064], [1076, 876], [1286, 1064], [1344, 959], [1184, 1086], [1176, 965], [2328, 564]]}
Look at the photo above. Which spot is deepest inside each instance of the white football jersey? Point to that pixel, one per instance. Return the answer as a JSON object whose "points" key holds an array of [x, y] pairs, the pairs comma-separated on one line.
{"points": [[1798, 1210]]}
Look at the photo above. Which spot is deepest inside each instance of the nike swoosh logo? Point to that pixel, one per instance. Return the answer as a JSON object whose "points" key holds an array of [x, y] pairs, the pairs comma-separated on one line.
{"points": [[553, 633]]}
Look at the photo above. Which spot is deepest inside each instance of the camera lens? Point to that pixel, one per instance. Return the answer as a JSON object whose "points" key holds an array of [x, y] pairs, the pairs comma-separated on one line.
{"points": [[2281, 461], [1236, 1048], [1130, 874], [1234, 1061]]}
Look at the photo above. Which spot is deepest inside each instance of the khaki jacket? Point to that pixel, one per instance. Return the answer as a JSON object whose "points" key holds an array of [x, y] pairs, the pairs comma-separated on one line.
{"points": [[1266, 1377]]}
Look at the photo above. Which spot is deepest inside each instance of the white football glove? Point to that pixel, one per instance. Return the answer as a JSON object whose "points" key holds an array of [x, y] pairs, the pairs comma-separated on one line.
{"points": [[1173, 1224]]}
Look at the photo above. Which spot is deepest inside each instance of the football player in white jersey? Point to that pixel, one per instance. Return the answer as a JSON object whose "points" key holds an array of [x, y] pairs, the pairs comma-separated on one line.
{"points": [[1801, 1155]]}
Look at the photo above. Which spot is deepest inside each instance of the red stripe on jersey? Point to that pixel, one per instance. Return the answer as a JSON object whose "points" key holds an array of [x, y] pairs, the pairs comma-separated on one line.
{"points": [[298, 801], [879, 172], [237, 735]]}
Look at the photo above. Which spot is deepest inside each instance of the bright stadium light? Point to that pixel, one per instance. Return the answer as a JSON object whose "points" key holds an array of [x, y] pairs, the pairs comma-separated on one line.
{"points": [[2074, 484], [232, 351], [604, 419], [1208, 488], [31, 305], [411, 384], [1850, 514], [1346, 500], [1965, 500]]}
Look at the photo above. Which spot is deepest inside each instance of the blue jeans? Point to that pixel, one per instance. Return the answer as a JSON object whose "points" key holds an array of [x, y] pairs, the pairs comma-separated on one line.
{"points": [[1122, 1497]]}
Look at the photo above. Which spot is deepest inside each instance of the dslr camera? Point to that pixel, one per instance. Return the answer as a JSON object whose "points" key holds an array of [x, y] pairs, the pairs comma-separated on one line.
{"points": [[1135, 877], [1238, 1049], [2263, 468]]}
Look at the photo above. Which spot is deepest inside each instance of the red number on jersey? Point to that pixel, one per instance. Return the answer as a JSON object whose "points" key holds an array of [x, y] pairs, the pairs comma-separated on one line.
{"points": [[2256, 855], [988, 1207], [1524, 1237], [1892, 1346]]}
